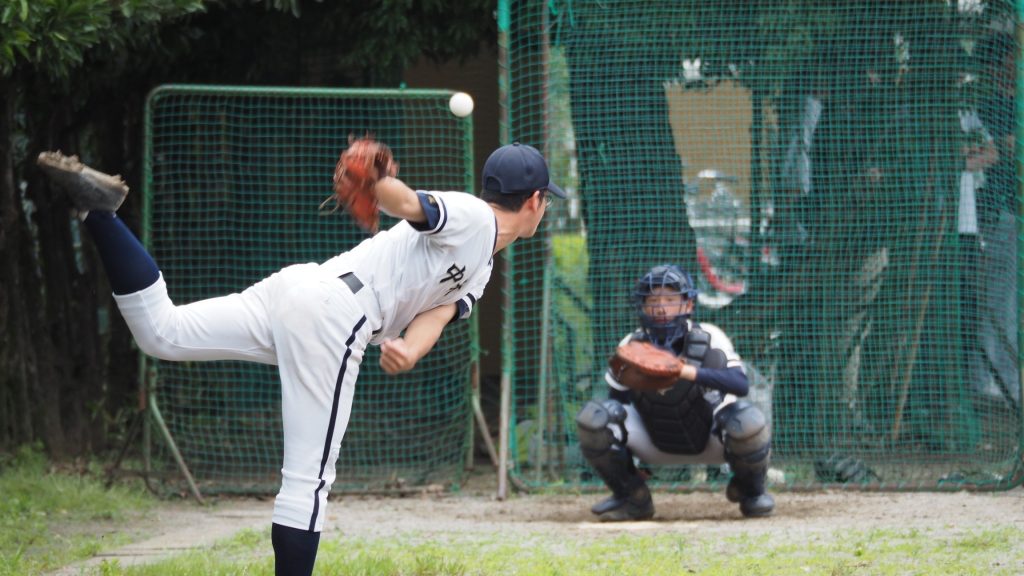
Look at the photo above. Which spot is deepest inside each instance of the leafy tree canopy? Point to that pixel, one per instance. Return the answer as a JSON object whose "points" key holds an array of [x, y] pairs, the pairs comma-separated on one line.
{"points": [[54, 35]]}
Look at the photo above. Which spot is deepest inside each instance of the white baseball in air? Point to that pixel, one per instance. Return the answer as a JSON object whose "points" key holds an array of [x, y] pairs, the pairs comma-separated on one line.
{"points": [[461, 104]]}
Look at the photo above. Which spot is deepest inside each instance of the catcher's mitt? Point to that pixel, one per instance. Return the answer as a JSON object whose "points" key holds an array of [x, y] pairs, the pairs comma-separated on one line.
{"points": [[643, 366], [361, 165]]}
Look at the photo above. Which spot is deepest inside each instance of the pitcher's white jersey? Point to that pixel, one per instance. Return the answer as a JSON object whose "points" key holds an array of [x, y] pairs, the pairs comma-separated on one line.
{"points": [[314, 322], [415, 268]]}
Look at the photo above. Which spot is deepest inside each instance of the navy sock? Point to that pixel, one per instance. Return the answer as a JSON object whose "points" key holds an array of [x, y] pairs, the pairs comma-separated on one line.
{"points": [[129, 267], [294, 550]]}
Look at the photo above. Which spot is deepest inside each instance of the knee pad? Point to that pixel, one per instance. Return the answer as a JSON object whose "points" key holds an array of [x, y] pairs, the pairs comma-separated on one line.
{"points": [[745, 433], [593, 426]]}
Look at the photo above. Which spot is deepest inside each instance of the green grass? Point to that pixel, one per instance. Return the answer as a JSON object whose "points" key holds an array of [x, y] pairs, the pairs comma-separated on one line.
{"points": [[851, 552], [50, 519]]}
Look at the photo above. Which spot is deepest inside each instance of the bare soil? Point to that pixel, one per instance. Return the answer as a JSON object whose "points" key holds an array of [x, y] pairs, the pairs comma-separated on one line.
{"points": [[475, 510]]}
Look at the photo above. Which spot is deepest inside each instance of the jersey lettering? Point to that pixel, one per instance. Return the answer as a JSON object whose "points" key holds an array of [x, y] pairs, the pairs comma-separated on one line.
{"points": [[455, 274]]}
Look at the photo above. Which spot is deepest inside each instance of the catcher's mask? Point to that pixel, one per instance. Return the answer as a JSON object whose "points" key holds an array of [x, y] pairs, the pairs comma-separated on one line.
{"points": [[661, 332]]}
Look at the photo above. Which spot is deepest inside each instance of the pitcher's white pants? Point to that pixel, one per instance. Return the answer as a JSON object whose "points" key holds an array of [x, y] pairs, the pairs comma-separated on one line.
{"points": [[312, 327]]}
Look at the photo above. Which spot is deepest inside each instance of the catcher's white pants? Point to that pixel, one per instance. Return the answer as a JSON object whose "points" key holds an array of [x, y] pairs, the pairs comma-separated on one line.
{"points": [[639, 442], [307, 322]]}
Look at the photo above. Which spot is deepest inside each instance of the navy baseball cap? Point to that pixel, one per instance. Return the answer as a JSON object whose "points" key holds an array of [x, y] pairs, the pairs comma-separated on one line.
{"points": [[517, 169]]}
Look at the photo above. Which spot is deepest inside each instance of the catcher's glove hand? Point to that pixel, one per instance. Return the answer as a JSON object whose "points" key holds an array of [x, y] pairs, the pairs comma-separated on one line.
{"points": [[643, 366], [361, 165]]}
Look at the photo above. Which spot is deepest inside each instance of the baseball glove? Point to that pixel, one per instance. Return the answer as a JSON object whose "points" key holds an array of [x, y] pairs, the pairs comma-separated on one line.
{"points": [[643, 366], [360, 166]]}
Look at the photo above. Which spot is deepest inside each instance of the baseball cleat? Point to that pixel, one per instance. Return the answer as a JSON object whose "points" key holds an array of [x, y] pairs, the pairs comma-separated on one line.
{"points": [[751, 506], [757, 506], [733, 492], [614, 509], [88, 189]]}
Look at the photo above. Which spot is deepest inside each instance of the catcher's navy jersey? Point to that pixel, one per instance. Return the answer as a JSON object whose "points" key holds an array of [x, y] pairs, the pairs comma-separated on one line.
{"points": [[415, 268]]}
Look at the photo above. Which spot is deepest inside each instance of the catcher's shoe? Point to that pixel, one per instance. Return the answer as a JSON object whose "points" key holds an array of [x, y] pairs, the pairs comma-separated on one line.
{"points": [[733, 491], [88, 189], [615, 509], [751, 506], [757, 506]]}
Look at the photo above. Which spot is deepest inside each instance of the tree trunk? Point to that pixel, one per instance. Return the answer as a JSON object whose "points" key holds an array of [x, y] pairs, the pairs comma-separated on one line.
{"points": [[47, 307], [16, 358]]}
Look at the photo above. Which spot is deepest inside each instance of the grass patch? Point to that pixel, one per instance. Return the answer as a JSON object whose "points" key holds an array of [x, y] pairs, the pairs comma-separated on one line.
{"points": [[49, 519], [447, 554]]}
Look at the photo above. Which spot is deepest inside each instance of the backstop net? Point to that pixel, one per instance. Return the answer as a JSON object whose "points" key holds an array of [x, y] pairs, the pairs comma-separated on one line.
{"points": [[841, 180], [233, 180]]}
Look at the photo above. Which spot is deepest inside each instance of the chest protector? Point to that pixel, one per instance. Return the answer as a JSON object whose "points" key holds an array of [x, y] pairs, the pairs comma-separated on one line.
{"points": [[679, 418]]}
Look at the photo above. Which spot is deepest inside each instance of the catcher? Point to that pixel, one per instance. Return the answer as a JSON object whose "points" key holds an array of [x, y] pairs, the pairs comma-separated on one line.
{"points": [[397, 289], [673, 389]]}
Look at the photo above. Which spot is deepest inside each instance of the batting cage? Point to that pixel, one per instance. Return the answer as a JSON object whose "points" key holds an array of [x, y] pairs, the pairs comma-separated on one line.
{"points": [[841, 181], [233, 179]]}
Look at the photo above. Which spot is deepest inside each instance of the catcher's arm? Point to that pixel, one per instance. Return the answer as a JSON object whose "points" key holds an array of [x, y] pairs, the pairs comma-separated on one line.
{"points": [[688, 372], [401, 354], [728, 380], [398, 200]]}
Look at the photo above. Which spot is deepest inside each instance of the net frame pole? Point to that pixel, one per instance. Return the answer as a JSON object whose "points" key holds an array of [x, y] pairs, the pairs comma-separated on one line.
{"points": [[165, 433], [1019, 151], [507, 349], [544, 370], [147, 371], [474, 323]]}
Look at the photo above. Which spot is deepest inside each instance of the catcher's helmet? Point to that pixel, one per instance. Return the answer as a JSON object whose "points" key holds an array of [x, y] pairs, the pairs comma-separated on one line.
{"points": [[669, 276]]}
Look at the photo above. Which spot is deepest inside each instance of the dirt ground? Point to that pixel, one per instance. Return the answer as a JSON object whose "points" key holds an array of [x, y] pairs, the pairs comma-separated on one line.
{"points": [[568, 515], [178, 526], [797, 513]]}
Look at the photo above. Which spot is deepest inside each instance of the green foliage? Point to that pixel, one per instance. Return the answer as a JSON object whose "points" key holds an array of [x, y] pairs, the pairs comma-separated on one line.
{"points": [[357, 43], [75, 76], [398, 32], [54, 35], [41, 507], [284, 5], [572, 302], [570, 253]]}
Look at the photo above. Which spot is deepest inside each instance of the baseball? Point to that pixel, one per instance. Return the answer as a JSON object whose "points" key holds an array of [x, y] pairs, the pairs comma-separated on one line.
{"points": [[461, 104]]}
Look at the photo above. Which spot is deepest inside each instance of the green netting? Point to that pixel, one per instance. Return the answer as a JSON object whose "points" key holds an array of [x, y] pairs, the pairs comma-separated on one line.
{"points": [[812, 164], [233, 180]]}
